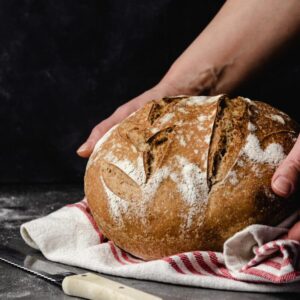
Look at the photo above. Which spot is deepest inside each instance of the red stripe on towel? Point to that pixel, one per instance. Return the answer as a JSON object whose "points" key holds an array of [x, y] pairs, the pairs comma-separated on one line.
{"points": [[277, 265], [173, 264], [271, 277], [212, 265], [202, 263], [115, 253], [221, 267], [127, 258], [188, 264], [90, 218], [274, 264]]}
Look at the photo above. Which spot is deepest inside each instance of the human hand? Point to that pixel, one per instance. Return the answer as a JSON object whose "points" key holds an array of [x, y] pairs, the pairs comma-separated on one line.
{"points": [[161, 90], [285, 182], [203, 68]]}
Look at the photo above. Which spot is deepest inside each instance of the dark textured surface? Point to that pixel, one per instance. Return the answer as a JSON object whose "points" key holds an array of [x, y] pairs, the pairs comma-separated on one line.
{"points": [[65, 65], [23, 203]]}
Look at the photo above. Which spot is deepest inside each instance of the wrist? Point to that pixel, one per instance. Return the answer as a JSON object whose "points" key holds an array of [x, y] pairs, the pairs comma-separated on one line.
{"points": [[195, 81], [167, 88]]}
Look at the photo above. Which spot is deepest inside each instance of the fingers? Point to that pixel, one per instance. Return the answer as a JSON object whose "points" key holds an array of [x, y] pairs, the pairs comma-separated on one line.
{"points": [[120, 114], [285, 179], [86, 149]]}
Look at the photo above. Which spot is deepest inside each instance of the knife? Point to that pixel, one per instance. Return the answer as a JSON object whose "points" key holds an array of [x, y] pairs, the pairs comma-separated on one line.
{"points": [[85, 285]]}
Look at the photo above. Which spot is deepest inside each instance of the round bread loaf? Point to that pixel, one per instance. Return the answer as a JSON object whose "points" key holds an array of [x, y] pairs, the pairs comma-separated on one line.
{"points": [[186, 173]]}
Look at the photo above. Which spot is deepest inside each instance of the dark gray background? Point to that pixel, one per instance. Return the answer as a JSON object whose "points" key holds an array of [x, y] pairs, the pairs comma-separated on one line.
{"points": [[65, 65]]}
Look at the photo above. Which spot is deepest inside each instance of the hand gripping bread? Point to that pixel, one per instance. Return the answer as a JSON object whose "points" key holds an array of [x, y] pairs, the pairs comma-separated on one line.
{"points": [[186, 173]]}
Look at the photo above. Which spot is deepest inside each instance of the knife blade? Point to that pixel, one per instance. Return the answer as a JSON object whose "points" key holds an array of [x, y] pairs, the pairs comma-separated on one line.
{"points": [[85, 285]]}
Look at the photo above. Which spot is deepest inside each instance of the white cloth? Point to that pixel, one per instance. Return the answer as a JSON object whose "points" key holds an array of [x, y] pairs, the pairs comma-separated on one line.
{"points": [[253, 260]]}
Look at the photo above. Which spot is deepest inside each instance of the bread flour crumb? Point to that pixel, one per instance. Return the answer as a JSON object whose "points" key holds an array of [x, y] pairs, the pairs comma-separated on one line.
{"points": [[276, 118], [251, 126], [196, 100], [273, 154], [192, 182], [154, 130], [135, 171], [133, 149], [232, 177], [201, 128], [284, 114], [182, 110], [117, 205], [240, 163], [247, 100], [207, 138], [202, 118], [182, 141], [256, 171], [149, 189], [269, 193], [199, 100], [166, 118]]}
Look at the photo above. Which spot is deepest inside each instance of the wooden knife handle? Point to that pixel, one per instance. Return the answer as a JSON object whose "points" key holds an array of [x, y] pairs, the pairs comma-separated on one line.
{"points": [[95, 287]]}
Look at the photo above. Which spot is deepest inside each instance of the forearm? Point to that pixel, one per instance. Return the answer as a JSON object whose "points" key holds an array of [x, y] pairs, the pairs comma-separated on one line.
{"points": [[241, 38]]}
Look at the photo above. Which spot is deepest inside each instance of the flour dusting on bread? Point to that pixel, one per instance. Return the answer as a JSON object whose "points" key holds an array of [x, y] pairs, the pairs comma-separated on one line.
{"points": [[251, 126], [166, 118], [276, 118], [99, 144], [185, 173], [117, 205], [134, 170], [273, 154]]}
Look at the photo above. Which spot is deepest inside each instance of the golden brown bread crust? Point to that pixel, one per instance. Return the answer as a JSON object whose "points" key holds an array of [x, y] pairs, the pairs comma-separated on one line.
{"points": [[186, 173]]}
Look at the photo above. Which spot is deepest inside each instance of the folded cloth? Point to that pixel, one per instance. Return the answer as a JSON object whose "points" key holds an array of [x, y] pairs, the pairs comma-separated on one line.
{"points": [[253, 260]]}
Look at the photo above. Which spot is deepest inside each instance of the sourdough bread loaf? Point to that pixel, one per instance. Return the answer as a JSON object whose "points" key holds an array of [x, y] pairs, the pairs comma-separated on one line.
{"points": [[186, 173]]}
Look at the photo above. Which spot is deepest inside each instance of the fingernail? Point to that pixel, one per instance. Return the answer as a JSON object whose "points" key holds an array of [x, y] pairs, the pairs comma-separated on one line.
{"points": [[83, 148], [282, 185]]}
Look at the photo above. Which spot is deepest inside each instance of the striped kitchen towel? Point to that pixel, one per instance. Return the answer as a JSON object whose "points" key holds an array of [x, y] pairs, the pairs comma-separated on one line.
{"points": [[253, 259]]}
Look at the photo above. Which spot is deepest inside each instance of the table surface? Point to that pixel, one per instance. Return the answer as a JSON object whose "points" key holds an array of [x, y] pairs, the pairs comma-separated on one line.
{"points": [[19, 204]]}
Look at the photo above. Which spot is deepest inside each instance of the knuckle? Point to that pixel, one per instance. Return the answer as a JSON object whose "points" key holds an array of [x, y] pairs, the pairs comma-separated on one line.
{"points": [[295, 163], [125, 110], [121, 109], [97, 129], [290, 168]]}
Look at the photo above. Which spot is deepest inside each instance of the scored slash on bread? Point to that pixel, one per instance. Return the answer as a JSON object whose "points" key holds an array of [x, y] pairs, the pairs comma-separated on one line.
{"points": [[159, 144], [185, 173], [227, 137], [122, 185]]}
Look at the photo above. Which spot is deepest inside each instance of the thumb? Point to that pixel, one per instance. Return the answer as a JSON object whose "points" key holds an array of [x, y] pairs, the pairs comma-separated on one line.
{"points": [[86, 149], [286, 177]]}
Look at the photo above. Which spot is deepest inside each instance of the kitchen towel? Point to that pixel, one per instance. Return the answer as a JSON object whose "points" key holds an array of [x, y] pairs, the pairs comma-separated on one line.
{"points": [[254, 259]]}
